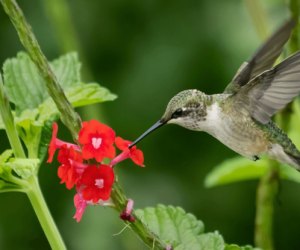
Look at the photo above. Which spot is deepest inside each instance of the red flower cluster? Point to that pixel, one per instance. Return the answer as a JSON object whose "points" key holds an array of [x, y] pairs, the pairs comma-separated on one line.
{"points": [[93, 182]]}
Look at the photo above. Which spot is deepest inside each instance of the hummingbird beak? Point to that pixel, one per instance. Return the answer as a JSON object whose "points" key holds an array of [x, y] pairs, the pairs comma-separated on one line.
{"points": [[156, 125]]}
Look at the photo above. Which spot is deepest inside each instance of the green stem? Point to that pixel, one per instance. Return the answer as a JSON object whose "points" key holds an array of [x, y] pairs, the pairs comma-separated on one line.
{"points": [[266, 193], [144, 233], [27, 38], [9, 124], [40, 207]]}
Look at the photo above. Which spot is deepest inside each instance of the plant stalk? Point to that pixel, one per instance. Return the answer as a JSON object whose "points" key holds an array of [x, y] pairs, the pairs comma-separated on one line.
{"points": [[266, 193], [8, 120], [40, 207]]}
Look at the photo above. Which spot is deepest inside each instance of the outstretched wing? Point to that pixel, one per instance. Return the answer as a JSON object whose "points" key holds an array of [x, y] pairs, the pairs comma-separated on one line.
{"points": [[263, 59], [269, 92]]}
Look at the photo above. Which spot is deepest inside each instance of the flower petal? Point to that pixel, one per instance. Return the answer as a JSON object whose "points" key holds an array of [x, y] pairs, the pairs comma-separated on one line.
{"points": [[97, 140], [121, 143], [52, 145], [137, 157], [89, 183]]}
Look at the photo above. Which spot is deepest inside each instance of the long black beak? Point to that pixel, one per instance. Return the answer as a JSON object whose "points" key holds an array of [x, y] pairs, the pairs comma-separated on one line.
{"points": [[151, 129]]}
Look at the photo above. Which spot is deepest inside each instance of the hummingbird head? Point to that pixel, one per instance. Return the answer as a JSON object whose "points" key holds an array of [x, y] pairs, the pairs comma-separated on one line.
{"points": [[186, 109]]}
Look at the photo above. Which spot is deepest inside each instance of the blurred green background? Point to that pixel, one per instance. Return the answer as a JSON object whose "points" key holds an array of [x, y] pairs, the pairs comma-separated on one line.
{"points": [[145, 52]]}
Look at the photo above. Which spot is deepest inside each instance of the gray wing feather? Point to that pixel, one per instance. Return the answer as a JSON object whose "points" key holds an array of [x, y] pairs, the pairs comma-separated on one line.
{"points": [[273, 89], [263, 59]]}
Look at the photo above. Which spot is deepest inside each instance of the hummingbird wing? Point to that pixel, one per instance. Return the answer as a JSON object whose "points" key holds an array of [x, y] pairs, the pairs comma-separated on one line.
{"points": [[263, 59], [270, 91]]}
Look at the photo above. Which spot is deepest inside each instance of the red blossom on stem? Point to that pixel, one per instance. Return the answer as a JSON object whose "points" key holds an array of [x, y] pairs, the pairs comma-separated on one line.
{"points": [[93, 181], [80, 205], [56, 143], [97, 140], [96, 183], [70, 169], [136, 155], [126, 214]]}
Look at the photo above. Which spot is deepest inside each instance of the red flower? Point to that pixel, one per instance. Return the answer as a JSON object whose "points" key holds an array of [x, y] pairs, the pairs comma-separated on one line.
{"points": [[56, 143], [126, 214], [96, 183], [136, 155], [71, 169], [97, 140]]}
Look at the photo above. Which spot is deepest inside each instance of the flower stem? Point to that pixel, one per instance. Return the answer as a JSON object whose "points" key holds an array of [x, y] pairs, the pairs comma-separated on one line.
{"points": [[27, 38], [40, 207]]}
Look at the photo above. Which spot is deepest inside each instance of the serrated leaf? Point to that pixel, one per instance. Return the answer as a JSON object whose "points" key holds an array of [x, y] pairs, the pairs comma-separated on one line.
{"points": [[24, 167], [85, 94], [27, 89], [208, 241], [235, 169], [80, 95], [172, 224], [23, 83], [236, 247], [67, 70]]}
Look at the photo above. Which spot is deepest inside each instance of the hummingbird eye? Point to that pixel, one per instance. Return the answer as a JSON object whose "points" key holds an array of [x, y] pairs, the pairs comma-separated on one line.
{"points": [[177, 113]]}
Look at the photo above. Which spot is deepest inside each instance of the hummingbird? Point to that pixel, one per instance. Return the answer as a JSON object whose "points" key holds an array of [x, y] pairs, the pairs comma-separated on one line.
{"points": [[240, 117]]}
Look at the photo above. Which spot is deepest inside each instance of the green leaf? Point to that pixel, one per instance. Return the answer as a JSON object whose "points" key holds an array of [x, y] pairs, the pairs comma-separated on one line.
{"points": [[239, 169], [23, 83], [172, 224], [29, 129], [23, 167], [27, 89], [208, 241], [236, 169], [80, 95], [67, 70], [236, 247], [85, 94]]}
